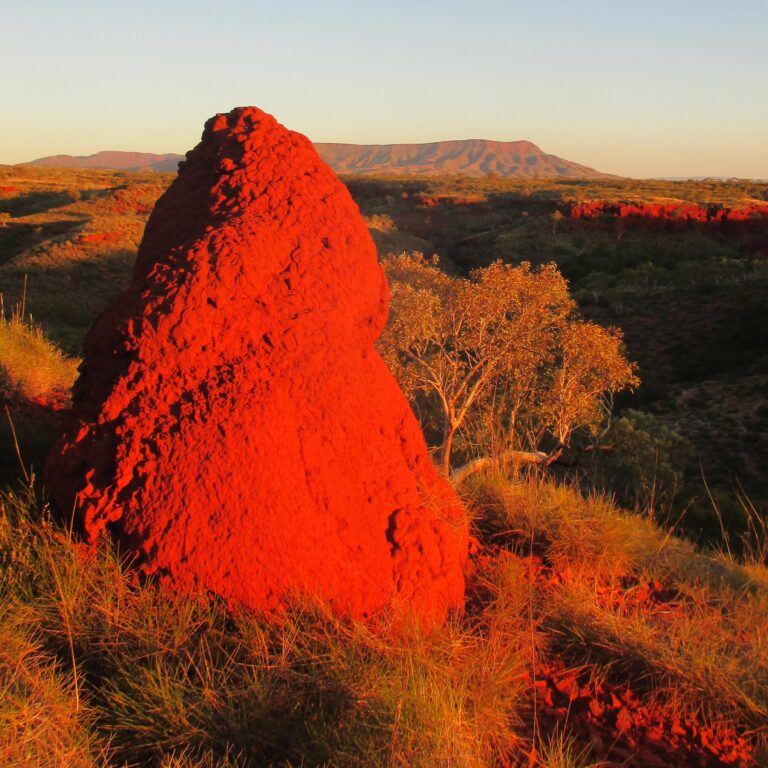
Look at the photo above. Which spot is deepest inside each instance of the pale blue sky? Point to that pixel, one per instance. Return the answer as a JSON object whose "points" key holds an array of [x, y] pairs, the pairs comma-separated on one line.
{"points": [[651, 88]]}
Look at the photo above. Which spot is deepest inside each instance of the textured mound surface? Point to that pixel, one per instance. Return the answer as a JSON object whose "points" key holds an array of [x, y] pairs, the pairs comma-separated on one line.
{"points": [[233, 426]]}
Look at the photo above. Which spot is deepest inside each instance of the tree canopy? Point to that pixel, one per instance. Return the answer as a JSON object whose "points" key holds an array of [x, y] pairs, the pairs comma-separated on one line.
{"points": [[501, 359]]}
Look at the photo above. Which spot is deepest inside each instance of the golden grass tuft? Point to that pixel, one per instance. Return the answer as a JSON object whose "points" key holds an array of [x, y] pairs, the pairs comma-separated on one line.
{"points": [[702, 650], [32, 367], [160, 679], [41, 722]]}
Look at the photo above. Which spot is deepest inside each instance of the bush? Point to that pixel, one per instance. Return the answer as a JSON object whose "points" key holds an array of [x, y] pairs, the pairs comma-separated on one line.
{"points": [[645, 462]]}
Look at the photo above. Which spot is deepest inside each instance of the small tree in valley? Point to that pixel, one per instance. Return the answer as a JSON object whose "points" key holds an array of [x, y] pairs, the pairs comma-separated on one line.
{"points": [[500, 355]]}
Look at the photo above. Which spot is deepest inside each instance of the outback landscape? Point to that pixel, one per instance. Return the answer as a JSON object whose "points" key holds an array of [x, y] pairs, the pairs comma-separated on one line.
{"points": [[581, 542]]}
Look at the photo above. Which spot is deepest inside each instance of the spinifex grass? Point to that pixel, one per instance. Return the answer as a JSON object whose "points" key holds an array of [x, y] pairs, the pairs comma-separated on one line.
{"points": [[31, 367], [99, 669], [152, 678], [685, 628]]}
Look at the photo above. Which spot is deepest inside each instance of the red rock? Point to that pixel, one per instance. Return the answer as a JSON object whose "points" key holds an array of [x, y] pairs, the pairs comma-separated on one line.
{"points": [[623, 720], [233, 426], [669, 216]]}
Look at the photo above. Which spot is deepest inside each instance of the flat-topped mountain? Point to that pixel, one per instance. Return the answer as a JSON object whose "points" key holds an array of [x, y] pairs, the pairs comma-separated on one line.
{"points": [[469, 157], [113, 160]]}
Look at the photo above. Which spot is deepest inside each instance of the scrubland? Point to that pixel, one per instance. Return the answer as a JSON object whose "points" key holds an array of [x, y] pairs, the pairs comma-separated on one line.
{"points": [[594, 633]]}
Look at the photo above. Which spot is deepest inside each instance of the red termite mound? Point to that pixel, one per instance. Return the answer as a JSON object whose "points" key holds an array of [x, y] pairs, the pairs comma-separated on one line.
{"points": [[233, 426]]}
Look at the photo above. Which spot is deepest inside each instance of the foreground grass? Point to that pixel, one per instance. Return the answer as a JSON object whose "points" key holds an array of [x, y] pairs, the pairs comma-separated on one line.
{"points": [[99, 670], [696, 648]]}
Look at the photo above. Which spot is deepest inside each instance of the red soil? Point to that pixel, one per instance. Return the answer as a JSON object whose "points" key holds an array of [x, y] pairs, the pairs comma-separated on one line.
{"points": [[478, 202], [98, 237], [621, 728], [131, 202], [233, 426]]}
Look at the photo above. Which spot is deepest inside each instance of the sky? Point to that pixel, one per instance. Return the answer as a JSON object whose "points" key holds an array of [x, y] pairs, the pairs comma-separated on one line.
{"points": [[651, 88]]}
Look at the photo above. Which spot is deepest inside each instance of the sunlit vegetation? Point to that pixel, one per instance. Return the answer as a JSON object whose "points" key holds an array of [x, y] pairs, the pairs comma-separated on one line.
{"points": [[687, 299], [662, 643], [31, 367], [501, 360], [71, 238]]}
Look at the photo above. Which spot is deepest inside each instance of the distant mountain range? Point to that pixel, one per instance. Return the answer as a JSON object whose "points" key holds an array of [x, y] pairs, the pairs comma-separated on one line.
{"points": [[115, 161], [470, 157]]}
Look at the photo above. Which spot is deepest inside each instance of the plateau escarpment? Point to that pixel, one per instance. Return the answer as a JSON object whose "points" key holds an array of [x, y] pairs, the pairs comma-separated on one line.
{"points": [[114, 160], [468, 157]]}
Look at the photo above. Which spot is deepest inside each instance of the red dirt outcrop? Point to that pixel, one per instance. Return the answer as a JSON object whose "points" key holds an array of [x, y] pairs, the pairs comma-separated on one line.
{"points": [[673, 216], [619, 727], [233, 426]]}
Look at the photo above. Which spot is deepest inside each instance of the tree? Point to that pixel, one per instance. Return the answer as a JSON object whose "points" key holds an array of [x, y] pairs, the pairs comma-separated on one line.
{"points": [[597, 285], [4, 218], [501, 358], [555, 217]]}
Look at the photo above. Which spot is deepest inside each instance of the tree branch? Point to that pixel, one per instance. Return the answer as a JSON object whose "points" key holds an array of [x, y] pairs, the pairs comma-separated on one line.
{"points": [[460, 474]]}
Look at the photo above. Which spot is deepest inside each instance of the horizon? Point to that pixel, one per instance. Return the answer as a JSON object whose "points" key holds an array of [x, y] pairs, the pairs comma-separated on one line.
{"points": [[651, 92], [513, 141], [518, 141]]}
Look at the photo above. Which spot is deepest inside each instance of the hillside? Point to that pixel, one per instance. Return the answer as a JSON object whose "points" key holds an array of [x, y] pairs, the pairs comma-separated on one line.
{"points": [[470, 157], [115, 161], [687, 295]]}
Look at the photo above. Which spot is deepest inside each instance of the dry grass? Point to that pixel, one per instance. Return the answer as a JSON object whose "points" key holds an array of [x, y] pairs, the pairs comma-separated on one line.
{"points": [[31, 367], [699, 649], [558, 749], [99, 670], [153, 678], [41, 723], [73, 234]]}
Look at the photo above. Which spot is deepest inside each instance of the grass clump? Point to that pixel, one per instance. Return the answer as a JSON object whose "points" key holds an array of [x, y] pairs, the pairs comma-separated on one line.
{"points": [[559, 749], [41, 722], [31, 367]]}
